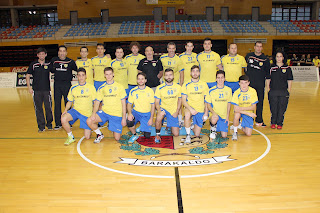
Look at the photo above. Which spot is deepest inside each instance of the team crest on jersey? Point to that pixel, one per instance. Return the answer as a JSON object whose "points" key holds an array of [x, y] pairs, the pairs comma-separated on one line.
{"points": [[284, 70], [46, 67], [250, 61], [65, 65], [260, 64], [154, 64]]}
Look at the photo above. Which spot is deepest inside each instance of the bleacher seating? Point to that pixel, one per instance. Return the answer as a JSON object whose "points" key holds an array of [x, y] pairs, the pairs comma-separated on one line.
{"points": [[310, 26], [242, 26], [164, 27], [24, 32], [285, 26], [91, 29]]}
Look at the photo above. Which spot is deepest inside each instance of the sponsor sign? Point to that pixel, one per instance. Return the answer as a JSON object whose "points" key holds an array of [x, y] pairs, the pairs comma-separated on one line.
{"points": [[305, 73], [165, 2], [19, 69], [21, 79], [8, 80]]}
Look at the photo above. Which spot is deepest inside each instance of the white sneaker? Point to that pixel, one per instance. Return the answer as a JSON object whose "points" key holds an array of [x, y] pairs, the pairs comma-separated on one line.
{"points": [[188, 139], [235, 136], [98, 138], [213, 135]]}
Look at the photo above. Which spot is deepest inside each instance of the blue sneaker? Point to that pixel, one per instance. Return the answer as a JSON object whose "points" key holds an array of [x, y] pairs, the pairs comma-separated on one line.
{"points": [[138, 129], [133, 138], [157, 139]]}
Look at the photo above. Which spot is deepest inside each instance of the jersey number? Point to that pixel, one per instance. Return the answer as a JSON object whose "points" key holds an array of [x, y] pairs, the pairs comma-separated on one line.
{"points": [[170, 92], [110, 90], [189, 58], [136, 96], [169, 62], [208, 56], [245, 98], [221, 95], [196, 88]]}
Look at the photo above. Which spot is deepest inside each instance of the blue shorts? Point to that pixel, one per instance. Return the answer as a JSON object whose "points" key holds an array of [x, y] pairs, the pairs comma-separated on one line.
{"points": [[171, 121], [211, 84], [233, 85], [247, 121], [76, 115], [198, 119], [143, 118], [97, 84], [222, 125], [114, 121]]}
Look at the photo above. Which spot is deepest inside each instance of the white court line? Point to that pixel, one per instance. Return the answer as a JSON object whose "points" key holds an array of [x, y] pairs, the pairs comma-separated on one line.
{"points": [[183, 176]]}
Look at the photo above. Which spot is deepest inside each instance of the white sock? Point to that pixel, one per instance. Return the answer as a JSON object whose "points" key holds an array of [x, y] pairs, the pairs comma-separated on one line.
{"points": [[180, 118], [235, 129], [213, 128], [70, 134], [188, 130], [98, 132]]}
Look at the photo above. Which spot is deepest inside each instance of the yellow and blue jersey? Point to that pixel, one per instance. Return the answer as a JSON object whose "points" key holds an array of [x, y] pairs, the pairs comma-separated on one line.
{"points": [[111, 95], [232, 65], [168, 96], [219, 99], [208, 63], [188, 60], [173, 63], [196, 93], [120, 68], [141, 99], [98, 65], [245, 99], [133, 62], [87, 65], [82, 97]]}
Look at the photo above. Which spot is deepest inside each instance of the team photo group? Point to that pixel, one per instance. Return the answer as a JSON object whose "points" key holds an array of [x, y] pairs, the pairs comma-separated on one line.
{"points": [[177, 90]]}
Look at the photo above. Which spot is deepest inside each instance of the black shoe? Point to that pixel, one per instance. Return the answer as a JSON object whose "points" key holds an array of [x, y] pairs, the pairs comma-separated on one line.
{"points": [[57, 127], [263, 125], [50, 128], [99, 125], [41, 130]]}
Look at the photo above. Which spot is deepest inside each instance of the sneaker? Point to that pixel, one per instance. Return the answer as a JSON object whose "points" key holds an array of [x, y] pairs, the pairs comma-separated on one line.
{"points": [[41, 130], [157, 139], [213, 135], [133, 138], [273, 126], [235, 136], [188, 139], [98, 138], [138, 129], [50, 128], [261, 124], [69, 141], [279, 127], [57, 127]]}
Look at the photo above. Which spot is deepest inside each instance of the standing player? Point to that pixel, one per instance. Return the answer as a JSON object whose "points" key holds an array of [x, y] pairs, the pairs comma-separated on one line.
{"points": [[209, 62], [142, 97], [188, 59], [258, 70], [219, 104], [244, 102], [41, 90], [62, 67], [233, 65], [85, 63], [113, 98], [168, 104], [193, 99], [81, 96], [133, 60], [120, 68], [99, 62]]}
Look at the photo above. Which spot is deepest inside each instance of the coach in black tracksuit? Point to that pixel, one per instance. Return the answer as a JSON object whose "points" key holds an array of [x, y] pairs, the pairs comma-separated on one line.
{"points": [[62, 68], [279, 82], [40, 71], [258, 69]]}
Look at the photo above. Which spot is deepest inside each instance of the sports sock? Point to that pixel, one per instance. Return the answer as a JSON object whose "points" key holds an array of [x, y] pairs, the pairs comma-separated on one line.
{"points": [[188, 130], [70, 134], [98, 131], [180, 118]]}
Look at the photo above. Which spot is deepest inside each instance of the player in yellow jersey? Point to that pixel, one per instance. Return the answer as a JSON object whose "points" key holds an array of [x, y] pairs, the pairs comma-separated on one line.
{"points": [[168, 104], [188, 59], [171, 61], [233, 64], [193, 99], [81, 96], [316, 61], [133, 60], [209, 62], [120, 68], [100, 62], [244, 102], [85, 63], [113, 98], [142, 98], [219, 104]]}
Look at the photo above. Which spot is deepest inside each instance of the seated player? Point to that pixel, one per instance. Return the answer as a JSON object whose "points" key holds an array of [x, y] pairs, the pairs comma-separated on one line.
{"points": [[142, 97], [244, 101], [219, 105], [113, 98], [82, 96], [168, 104], [193, 99]]}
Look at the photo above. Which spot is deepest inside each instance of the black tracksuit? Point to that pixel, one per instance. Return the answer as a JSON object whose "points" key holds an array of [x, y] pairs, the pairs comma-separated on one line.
{"points": [[278, 94], [258, 70]]}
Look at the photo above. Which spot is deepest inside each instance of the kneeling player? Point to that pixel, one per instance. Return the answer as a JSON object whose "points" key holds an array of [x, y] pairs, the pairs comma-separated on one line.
{"points": [[142, 97], [168, 104], [193, 99], [218, 102], [113, 98], [81, 95], [244, 101]]}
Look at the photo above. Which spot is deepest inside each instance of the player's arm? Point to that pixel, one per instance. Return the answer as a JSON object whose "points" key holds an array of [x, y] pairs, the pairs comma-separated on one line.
{"points": [[151, 114], [129, 108], [220, 67], [68, 106], [186, 105], [181, 77], [178, 108], [96, 106], [159, 64], [244, 110], [124, 110], [289, 85], [205, 115], [228, 112], [211, 109], [268, 84], [28, 83]]}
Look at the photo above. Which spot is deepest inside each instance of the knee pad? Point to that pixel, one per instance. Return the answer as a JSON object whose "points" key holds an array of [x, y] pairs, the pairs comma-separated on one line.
{"points": [[130, 123], [147, 134]]}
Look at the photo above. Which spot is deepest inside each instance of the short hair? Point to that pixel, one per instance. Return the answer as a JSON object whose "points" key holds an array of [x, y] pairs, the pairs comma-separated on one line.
{"points": [[257, 42], [244, 78], [81, 69], [118, 48], [195, 66], [231, 44], [100, 44], [41, 49], [171, 43], [108, 69], [221, 72], [84, 47], [207, 39], [62, 46], [189, 42], [168, 70], [143, 74], [134, 43]]}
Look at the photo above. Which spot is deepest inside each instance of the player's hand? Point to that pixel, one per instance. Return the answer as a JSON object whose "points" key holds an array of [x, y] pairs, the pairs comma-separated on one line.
{"points": [[64, 112], [237, 109], [175, 114], [205, 118], [130, 117], [123, 122], [252, 115], [159, 76], [93, 117], [193, 111], [150, 122], [162, 113], [30, 90], [227, 121], [108, 55]]}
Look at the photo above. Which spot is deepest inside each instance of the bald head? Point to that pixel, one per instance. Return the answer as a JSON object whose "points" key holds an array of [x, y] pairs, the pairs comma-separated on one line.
{"points": [[149, 53]]}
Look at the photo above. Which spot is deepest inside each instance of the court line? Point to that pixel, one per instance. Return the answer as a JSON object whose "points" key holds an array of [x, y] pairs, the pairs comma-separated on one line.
{"points": [[178, 187]]}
